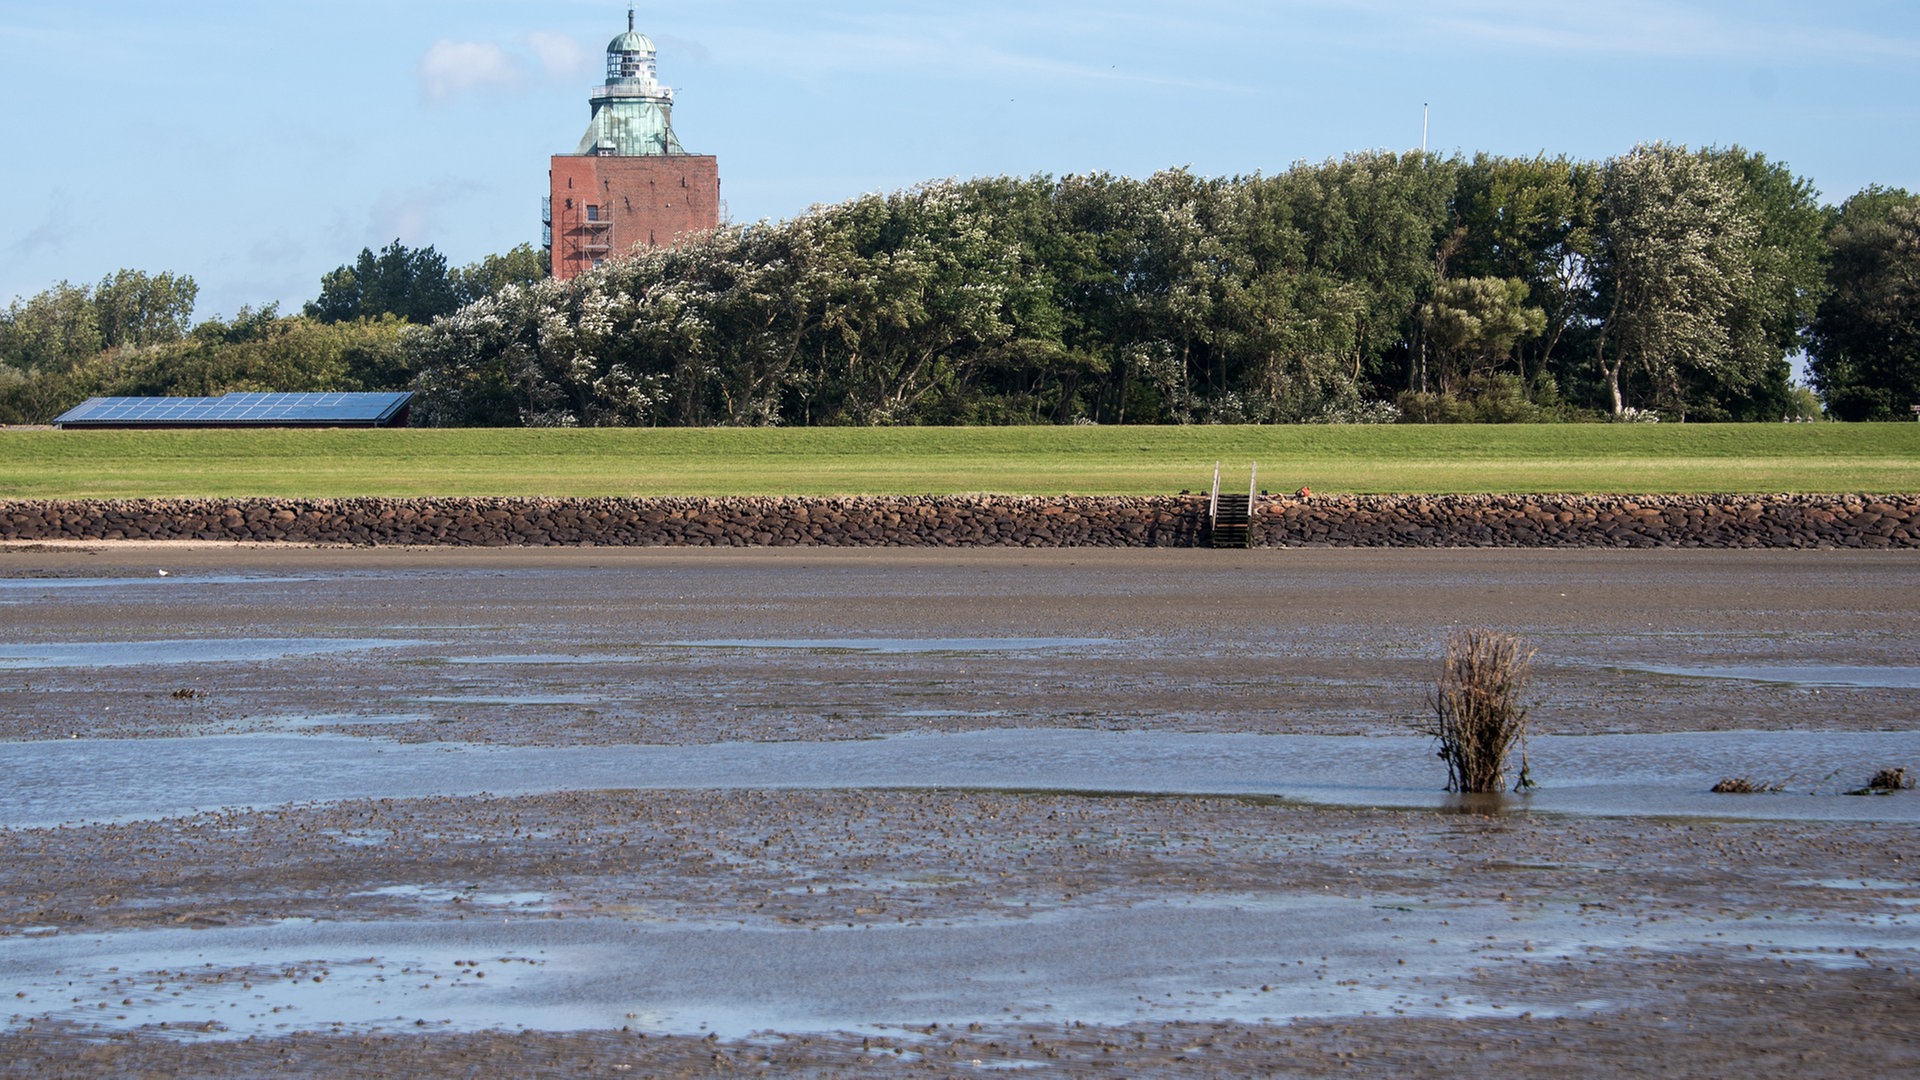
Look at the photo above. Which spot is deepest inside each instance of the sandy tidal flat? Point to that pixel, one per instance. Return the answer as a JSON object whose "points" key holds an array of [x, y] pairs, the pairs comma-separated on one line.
{"points": [[427, 812]]}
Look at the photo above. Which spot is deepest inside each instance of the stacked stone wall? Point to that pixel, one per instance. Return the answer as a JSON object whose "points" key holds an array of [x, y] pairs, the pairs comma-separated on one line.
{"points": [[1547, 521]]}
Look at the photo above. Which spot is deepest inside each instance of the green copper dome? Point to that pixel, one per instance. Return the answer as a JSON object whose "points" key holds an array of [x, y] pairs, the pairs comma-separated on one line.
{"points": [[632, 41]]}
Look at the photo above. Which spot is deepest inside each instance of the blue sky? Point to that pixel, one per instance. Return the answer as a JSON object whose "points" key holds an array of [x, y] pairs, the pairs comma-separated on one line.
{"points": [[256, 145]]}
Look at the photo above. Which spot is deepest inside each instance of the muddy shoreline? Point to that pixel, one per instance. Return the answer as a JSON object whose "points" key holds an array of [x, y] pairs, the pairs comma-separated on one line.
{"points": [[856, 929]]}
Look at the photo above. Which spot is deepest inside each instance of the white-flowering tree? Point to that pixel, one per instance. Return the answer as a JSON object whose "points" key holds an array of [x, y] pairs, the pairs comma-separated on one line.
{"points": [[1675, 253]]}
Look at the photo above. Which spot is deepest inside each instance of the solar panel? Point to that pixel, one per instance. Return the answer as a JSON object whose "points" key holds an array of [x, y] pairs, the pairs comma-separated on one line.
{"points": [[248, 409]]}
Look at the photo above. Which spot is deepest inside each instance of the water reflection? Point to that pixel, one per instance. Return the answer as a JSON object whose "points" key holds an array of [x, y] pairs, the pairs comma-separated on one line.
{"points": [[1485, 803]]}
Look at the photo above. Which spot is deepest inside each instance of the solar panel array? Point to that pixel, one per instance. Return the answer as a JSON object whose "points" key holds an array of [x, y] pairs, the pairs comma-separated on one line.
{"points": [[240, 410]]}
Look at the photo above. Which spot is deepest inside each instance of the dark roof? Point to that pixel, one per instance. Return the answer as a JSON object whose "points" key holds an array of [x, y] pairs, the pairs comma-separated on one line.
{"points": [[241, 410]]}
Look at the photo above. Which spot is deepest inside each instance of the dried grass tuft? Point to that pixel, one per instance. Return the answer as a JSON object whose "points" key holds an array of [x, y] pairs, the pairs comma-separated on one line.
{"points": [[1478, 718]]}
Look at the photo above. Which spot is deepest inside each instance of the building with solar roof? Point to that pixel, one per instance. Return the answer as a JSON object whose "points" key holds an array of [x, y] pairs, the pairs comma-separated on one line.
{"points": [[629, 183], [370, 410]]}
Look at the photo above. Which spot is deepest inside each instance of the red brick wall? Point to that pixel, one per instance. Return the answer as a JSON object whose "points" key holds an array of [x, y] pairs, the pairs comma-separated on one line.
{"points": [[651, 201]]}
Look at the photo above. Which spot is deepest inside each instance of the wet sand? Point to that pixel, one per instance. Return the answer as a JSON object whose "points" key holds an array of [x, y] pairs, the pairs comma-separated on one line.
{"points": [[840, 926]]}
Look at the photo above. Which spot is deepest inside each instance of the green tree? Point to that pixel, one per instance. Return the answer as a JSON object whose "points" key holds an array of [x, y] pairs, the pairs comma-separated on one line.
{"points": [[1674, 277], [34, 397], [1473, 324], [1803, 404], [1533, 219], [1865, 358], [50, 331], [918, 299], [410, 283], [1675, 248], [258, 349], [1136, 261], [1288, 331], [466, 363], [523, 265], [1095, 252], [1374, 222], [1772, 307], [1031, 375], [134, 308]]}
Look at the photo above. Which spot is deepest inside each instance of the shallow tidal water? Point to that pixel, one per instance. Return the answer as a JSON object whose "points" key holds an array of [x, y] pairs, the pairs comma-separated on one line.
{"points": [[1248, 959], [77, 781], [274, 679]]}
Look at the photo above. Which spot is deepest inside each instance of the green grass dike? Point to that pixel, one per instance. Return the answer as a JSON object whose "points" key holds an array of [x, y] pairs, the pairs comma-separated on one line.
{"points": [[1515, 459]]}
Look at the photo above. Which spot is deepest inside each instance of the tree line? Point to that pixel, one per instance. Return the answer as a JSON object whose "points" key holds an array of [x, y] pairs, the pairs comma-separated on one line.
{"points": [[1664, 283], [133, 333]]}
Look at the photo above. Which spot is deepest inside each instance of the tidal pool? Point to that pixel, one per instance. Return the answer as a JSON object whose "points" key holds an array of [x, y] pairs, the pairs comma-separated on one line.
{"points": [[1237, 958], [16, 590], [1897, 678], [896, 645], [96, 780], [876, 646], [97, 654]]}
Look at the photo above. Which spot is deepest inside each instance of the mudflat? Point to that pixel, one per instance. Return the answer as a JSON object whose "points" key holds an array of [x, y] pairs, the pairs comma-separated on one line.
{"points": [[427, 811]]}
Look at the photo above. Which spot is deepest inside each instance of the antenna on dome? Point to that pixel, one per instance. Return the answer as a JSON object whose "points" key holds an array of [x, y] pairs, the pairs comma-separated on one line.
{"points": [[629, 18]]}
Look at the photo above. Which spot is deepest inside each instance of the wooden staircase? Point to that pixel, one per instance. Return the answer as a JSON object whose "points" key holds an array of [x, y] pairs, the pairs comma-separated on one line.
{"points": [[1230, 516]]}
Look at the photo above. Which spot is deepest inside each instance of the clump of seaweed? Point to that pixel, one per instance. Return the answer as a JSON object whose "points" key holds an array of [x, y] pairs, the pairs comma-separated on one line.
{"points": [[1895, 779], [1886, 782], [1478, 717], [1740, 785]]}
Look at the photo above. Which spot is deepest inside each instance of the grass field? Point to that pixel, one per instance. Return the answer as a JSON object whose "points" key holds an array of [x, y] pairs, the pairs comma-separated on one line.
{"points": [[1584, 458]]}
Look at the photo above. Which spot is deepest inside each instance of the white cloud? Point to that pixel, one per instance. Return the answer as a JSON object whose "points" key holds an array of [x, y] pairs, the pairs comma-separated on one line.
{"points": [[452, 68], [562, 58]]}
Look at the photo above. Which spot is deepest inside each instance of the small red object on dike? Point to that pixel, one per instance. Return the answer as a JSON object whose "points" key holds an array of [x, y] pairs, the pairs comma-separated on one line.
{"points": [[1304, 493]]}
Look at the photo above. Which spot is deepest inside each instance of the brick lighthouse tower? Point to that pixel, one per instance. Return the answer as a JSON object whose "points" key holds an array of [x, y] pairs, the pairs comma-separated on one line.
{"points": [[629, 183]]}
